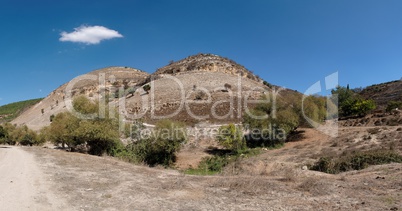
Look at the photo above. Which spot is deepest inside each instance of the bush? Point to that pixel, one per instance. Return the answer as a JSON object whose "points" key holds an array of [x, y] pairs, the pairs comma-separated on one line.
{"points": [[22, 135], [84, 105], [393, 105], [213, 164], [160, 147], [356, 161], [101, 135], [231, 137], [274, 129]]}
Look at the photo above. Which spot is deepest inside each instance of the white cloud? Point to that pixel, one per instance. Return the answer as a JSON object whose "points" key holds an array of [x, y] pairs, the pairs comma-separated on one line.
{"points": [[89, 35]]}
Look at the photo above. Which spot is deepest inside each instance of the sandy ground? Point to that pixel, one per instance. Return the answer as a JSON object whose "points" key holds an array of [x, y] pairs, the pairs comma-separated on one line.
{"points": [[23, 185]]}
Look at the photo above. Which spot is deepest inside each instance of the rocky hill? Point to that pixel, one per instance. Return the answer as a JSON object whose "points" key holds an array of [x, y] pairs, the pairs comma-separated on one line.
{"points": [[203, 88], [207, 63], [91, 84], [384, 92]]}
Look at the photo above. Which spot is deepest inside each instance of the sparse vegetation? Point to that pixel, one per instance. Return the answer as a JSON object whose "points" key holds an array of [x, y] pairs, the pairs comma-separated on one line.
{"points": [[356, 161], [269, 124]]}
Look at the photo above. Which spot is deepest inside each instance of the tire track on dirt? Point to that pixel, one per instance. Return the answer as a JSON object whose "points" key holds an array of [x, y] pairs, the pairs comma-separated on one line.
{"points": [[22, 184]]}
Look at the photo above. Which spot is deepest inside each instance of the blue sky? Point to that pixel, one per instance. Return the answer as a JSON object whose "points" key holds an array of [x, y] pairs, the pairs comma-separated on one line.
{"points": [[290, 43]]}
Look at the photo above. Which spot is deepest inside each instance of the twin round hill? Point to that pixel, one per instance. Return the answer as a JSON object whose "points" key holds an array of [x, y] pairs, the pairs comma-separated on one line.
{"points": [[203, 88]]}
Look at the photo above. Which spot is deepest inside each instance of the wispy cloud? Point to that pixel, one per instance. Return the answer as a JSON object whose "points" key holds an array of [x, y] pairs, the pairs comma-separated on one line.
{"points": [[89, 35]]}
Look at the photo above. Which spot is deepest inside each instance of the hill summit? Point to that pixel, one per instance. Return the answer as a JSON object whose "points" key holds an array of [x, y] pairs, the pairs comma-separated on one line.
{"points": [[207, 63]]}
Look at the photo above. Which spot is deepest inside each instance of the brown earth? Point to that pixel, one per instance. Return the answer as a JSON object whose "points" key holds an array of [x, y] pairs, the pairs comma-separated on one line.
{"points": [[273, 180]]}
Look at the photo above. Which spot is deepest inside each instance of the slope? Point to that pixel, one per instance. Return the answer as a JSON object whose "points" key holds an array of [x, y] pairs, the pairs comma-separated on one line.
{"points": [[94, 84], [10, 111]]}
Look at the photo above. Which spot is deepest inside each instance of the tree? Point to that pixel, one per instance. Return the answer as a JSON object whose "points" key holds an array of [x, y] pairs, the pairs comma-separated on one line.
{"points": [[62, 130], [281, 119], [8, 128], [314, 108], [351, 103], [84, 105], [231, 137], [363, 107], [101, 135], [146, 88]]}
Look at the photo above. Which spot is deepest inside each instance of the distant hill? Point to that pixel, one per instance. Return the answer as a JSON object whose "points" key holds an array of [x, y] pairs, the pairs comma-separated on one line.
{"points": [[11, 111], [384, 93]]}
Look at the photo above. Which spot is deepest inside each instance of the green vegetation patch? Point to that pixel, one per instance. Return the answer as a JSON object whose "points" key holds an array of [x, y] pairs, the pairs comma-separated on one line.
{"points": [[11, 111], [215, 164]]}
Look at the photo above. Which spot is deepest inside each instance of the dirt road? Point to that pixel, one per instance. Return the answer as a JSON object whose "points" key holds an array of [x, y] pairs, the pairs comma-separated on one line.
{"points": [[22, 184]]}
